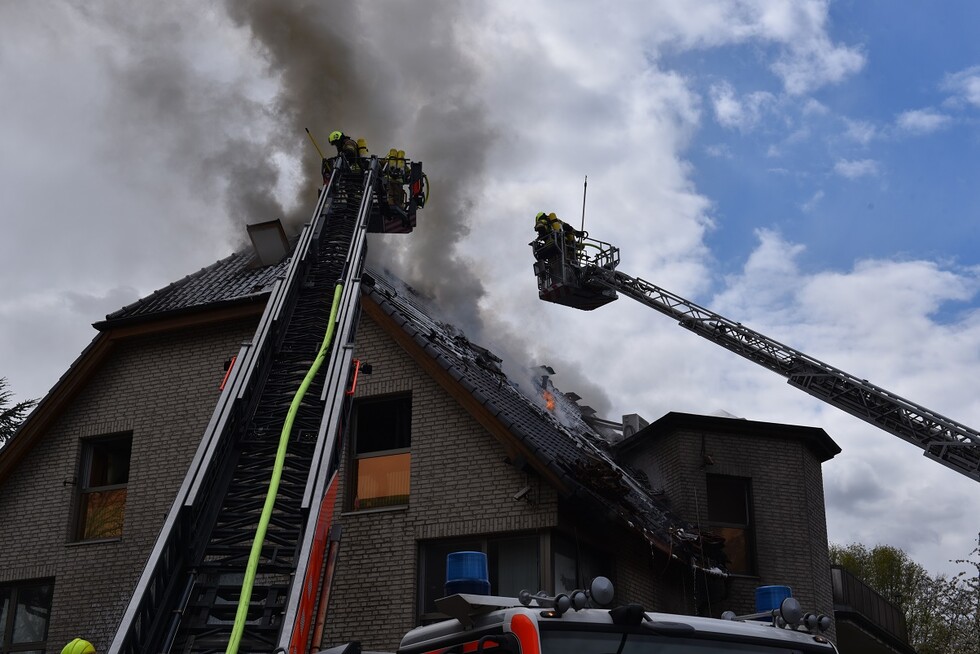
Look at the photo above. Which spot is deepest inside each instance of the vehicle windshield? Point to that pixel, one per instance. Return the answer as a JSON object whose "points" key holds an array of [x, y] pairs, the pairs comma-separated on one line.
{"points": [[590, 642]]}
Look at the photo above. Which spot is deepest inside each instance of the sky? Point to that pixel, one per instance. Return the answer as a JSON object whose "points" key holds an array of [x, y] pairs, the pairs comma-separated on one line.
{"points": [[807, 168]]}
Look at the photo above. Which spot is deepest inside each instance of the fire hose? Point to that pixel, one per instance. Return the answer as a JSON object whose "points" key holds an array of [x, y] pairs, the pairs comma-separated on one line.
{"points": [[270, 499]]}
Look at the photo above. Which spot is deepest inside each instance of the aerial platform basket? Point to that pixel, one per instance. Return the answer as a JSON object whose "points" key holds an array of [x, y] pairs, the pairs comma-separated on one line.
{"points": [[565, 268]]}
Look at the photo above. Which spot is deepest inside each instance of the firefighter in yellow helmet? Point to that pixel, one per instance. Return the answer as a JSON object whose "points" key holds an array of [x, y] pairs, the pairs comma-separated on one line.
{"points": [[79, 646], [553, 233], [546, 225], [346, 147]]}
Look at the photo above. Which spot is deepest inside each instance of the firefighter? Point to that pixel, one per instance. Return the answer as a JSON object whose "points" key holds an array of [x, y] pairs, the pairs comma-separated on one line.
{"points": [[549, 230], [573, 245], [395, 180], [346, 147], [79, 646]]}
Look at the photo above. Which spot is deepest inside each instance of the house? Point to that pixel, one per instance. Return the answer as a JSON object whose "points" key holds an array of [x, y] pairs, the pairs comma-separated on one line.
{"points": [[444, 452]]}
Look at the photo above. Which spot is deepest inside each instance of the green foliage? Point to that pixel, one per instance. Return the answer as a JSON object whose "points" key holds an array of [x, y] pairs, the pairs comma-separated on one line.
{"points": [[11, 415], [942, 614]]}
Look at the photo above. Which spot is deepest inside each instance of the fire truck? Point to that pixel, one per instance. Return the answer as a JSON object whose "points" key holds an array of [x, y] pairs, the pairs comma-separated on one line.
{"points": [[580, 623]]}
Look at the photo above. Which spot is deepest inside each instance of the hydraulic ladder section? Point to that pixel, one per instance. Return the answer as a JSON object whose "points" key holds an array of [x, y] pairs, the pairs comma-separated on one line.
{"points": [[592, 274], [187, 595]]}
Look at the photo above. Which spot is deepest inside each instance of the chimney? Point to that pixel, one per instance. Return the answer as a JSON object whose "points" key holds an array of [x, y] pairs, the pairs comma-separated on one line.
{"points": [[269, 241]]}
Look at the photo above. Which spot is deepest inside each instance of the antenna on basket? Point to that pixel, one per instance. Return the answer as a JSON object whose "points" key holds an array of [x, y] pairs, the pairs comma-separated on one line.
{"points": [[585, 189]]}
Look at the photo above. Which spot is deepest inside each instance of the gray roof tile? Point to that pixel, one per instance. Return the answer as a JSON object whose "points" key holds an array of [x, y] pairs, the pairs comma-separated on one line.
{"points": [[229, 280]]}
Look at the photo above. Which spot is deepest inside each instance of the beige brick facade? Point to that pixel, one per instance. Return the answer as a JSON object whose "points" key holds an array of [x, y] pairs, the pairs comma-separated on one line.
{"points": [[460, 485], [162, 389]]}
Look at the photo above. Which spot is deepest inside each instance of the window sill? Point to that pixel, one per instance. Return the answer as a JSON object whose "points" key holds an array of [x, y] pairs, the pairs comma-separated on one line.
{"points": [[380, 509], [93, 541]]}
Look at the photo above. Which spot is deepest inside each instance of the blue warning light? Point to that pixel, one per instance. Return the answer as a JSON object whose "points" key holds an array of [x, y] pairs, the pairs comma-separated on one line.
{"points": [[466, 572], [768, 598]]}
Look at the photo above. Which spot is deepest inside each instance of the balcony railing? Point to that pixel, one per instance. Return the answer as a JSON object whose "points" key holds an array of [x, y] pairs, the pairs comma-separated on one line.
{"points": [[854, 596]]}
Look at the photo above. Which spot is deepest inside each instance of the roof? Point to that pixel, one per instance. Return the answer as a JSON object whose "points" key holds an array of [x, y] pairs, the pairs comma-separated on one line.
{"points": [[819, 442], [231, 280], [560, 442]]}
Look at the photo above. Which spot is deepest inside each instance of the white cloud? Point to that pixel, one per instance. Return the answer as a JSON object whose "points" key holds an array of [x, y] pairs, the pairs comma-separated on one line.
{"points": [[921, 121], [857, 168], [965, 84], [812, 203], [743, 113], [719, 151], [810, 59], [861, 131], [814, 108]]}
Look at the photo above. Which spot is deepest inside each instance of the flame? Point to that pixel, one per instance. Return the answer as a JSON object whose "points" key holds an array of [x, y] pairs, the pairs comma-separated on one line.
{"points": [[549, 400]]}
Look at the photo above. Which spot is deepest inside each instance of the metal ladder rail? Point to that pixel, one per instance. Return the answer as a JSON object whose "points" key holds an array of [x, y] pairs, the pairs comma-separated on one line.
{"points": [[949, 442], [207, 624], [166, 564], [324, 466]]}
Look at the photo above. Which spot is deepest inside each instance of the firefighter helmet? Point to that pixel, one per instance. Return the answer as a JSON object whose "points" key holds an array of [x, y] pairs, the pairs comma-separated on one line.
{"points": [[335, 136], [79, 646]]}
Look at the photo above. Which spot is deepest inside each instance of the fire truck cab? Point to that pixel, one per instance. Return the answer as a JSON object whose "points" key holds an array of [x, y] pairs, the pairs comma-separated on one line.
{"points": [[575, 623]]}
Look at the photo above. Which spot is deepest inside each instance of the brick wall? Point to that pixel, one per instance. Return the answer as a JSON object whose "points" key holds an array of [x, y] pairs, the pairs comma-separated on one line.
{"points": [[788, 505], [460, 485], [163, 389]]}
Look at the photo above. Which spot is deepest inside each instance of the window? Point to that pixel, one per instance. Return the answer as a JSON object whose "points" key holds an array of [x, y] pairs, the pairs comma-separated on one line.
{"points": [[25, 609], [730, 516], [102, 487], [382, 457], [512, 562]]}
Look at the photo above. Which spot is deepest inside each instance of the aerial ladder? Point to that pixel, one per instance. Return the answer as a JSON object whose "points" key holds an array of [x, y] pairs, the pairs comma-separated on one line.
{"points": [[577, 271], [281, 415]]}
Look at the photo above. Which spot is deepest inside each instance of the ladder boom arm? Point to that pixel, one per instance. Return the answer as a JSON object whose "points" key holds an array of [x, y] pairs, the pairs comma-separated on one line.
{"points": [[951, 443]]}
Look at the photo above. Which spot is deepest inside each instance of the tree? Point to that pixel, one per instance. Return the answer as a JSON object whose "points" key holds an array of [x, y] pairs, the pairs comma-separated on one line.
{"points": [[966, 603], [11, 416], [941, 613]]}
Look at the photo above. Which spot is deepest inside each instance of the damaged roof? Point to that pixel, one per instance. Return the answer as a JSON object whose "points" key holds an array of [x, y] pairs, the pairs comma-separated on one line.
{"points": [[560, 439]]}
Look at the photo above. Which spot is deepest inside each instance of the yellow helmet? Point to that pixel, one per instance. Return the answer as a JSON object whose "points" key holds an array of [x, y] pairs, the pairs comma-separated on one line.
{"points": [[540, 215], [79, 646], [335, 136]]}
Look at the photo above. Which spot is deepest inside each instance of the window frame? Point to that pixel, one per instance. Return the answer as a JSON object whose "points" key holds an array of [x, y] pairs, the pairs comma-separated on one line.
{"points": [[747, 527], [7, 646], [485, 543], [85, 489], [356, 457]]}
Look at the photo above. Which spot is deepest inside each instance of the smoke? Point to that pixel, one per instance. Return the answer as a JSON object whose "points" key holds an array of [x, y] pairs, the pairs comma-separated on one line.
{"points": [[398, 74]]}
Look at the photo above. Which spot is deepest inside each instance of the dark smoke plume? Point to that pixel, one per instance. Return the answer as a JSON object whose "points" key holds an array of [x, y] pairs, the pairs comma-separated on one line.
{"points": [[398, 74]]}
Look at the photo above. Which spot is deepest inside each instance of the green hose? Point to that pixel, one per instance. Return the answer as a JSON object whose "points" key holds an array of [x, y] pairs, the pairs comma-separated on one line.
{"points": [[270, 498]]}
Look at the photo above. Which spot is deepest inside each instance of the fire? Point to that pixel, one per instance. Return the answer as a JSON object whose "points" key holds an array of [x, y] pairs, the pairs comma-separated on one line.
{"points": [[549, 400]]}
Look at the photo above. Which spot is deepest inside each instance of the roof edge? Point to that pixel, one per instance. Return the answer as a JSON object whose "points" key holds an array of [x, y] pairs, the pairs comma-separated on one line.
{"points": [[51, 406], [210, 307], [818, 440]]}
